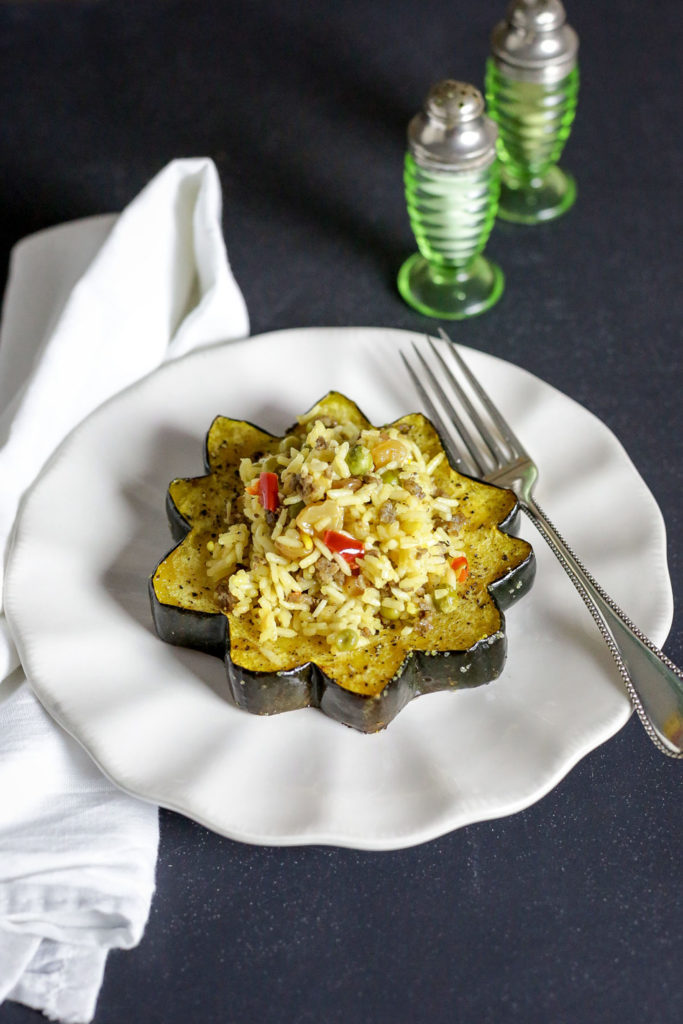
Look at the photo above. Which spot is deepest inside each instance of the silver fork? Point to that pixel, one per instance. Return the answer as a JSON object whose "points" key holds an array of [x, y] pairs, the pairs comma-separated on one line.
{"points": [[652, 681]]}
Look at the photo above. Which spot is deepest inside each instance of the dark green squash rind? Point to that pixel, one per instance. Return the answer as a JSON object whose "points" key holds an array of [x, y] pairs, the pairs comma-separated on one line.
{"points": [[177, 522], [187, 627], [271, 693], [274, 692]]}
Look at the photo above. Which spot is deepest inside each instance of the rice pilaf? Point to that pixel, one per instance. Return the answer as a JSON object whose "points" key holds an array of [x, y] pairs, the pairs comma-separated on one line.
{"points": [[340, 532]]}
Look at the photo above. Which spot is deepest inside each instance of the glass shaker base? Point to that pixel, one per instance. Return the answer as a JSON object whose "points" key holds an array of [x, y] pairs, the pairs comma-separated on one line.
{"points": [[543, 198], [447, 293]]}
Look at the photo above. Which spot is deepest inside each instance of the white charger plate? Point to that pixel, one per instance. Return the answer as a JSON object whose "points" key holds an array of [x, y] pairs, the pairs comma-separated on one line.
{"points": [[153, 716]]}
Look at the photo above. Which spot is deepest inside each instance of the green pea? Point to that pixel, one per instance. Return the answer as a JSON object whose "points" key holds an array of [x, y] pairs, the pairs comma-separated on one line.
{"points": [[346, 639], [296, 508], [387, 611], [445, 599], [359, 460], [390, 477], [271, 465]]}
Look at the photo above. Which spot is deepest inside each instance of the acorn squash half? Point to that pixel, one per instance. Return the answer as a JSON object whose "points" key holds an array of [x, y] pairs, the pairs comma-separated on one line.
{"points": [[363, 688]]}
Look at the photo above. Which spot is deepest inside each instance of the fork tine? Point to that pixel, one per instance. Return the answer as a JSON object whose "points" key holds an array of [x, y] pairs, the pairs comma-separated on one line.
{"points": [[454, 420], [516, 447], [486, 435], [454, 454]]}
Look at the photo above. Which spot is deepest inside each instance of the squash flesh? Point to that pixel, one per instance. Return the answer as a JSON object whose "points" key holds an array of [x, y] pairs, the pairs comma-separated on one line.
{"points": [[495, 559]]}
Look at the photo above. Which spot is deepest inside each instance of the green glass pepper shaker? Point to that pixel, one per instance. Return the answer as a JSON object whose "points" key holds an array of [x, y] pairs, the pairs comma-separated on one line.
{"points": [[532, 84], [452, 183]]}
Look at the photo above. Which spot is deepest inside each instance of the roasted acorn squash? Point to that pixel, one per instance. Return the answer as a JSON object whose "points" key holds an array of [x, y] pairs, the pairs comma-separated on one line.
{"points": [[362, 688]]}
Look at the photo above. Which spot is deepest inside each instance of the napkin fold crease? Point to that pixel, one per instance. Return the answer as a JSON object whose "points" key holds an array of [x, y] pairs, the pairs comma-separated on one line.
{"points": [[90, 307]]}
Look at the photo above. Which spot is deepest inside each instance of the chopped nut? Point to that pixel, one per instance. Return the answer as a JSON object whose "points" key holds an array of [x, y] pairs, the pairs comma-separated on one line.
{"points": [[354, 585], [387, 512], [412, 486], [349, 483], [223, 598], [326, 571], [455, 522]]}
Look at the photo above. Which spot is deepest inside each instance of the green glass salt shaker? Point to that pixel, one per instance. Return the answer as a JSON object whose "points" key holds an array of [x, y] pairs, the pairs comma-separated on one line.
{"points": [[452, 182], [532, 85]]}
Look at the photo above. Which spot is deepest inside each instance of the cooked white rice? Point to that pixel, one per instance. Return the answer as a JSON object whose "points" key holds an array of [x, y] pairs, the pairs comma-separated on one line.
{"points": [[277, 564]]}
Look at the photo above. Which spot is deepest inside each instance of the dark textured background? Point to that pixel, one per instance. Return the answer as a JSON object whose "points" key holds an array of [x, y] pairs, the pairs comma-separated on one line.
{"points": [[570, 911]]}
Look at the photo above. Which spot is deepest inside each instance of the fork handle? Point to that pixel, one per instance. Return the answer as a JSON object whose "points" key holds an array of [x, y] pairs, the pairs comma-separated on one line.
{"points": [[652, 681]]}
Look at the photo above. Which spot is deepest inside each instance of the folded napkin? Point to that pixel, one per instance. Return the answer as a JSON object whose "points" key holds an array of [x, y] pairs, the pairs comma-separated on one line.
{"points": [[90, 307]]}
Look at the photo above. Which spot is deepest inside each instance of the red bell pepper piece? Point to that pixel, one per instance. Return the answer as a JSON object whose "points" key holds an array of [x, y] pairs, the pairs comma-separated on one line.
{"points": [[348, 547], [267, 489], [461, 568]]}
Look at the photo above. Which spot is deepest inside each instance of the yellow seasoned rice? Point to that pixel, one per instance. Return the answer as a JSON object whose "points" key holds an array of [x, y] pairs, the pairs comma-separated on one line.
{"points": [[278, 564]]}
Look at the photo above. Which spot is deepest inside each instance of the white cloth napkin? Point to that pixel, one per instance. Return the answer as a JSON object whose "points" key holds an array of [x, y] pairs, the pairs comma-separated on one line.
{"points": [[89, 308]]}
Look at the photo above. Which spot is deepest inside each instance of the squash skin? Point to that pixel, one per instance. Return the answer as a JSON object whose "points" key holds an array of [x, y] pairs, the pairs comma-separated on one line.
{"points": [[307, 684]]}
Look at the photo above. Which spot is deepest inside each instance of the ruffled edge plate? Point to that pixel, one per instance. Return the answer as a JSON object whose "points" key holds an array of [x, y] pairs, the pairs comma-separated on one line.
{"points": [[154, 718]]}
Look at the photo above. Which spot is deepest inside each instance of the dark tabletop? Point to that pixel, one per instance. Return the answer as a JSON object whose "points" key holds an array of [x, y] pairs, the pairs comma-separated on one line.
{"points": [[570, 911]]}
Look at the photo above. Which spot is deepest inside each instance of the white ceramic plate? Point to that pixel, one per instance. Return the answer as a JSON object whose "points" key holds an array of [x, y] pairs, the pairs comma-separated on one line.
{"points": [[153, 717]]}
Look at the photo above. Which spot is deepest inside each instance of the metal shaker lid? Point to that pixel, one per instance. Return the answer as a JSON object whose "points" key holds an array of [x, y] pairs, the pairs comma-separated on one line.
{"points": [[452, 131], [534, 42]]}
